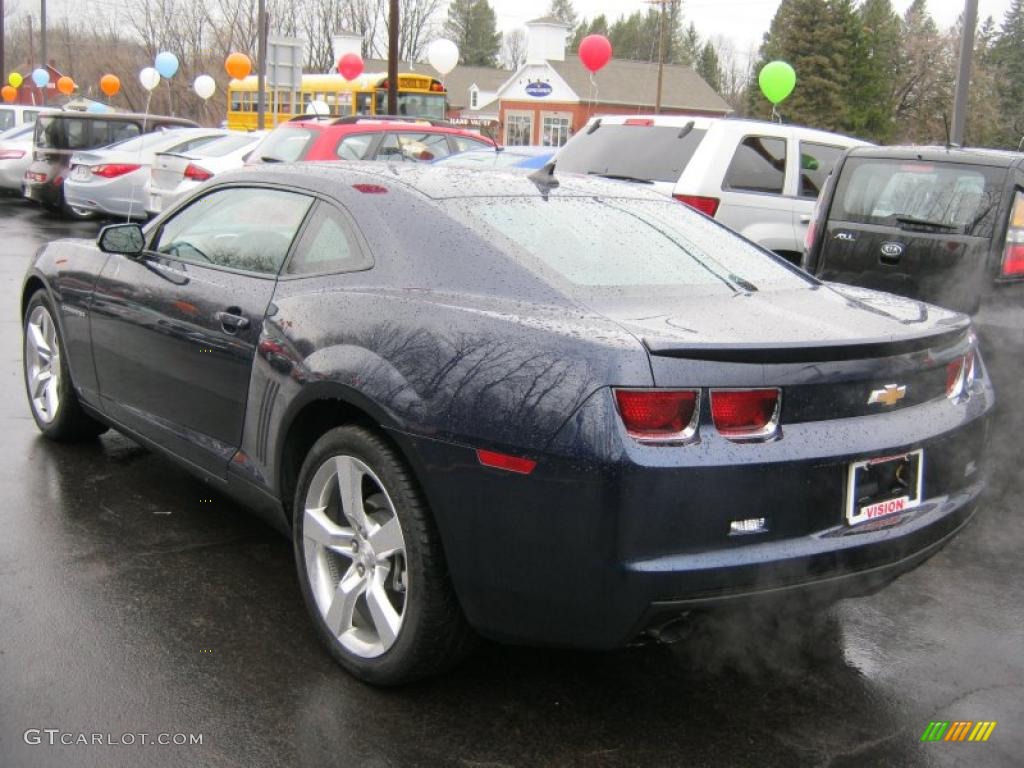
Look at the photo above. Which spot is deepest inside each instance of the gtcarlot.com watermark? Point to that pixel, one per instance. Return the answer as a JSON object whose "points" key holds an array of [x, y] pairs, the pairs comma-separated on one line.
{"points": [[55, 736]]}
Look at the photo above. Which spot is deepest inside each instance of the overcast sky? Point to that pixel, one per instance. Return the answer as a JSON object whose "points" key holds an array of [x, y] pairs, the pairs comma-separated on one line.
{"points": [[741, 21]]}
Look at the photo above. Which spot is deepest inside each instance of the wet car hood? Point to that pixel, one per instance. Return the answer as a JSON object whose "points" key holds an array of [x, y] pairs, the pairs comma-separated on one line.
{"points": [[821, 316]]}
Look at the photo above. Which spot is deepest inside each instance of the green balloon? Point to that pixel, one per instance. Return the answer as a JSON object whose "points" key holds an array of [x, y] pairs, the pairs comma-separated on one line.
{"points": [[777, 80]]}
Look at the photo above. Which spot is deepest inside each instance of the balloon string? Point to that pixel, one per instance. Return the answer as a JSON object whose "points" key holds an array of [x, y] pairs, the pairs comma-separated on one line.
{"points": [[593, 95], [131, 198]]}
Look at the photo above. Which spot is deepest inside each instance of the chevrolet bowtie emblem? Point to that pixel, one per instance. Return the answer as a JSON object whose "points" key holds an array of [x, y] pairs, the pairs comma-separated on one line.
{"points": [[888, 395]]}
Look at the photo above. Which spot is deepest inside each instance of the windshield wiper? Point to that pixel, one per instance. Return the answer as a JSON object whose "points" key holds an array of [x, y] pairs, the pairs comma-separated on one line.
{"points": [[619, 177], [911, 221], [746, 285]]}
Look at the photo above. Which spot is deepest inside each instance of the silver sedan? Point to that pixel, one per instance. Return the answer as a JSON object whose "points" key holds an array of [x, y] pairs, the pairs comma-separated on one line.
{"points": [[114, 181]]}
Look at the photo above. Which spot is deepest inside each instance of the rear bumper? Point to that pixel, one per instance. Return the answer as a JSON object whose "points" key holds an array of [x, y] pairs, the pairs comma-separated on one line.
{"points": [[590, 551], [45, 193]]}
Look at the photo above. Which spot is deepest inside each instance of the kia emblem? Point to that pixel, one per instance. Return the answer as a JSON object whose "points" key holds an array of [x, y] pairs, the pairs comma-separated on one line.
{"points": [[892, 250]]}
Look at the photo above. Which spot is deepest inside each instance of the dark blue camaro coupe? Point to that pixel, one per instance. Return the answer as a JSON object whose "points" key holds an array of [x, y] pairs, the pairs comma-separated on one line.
{"points": [[541, 408]]}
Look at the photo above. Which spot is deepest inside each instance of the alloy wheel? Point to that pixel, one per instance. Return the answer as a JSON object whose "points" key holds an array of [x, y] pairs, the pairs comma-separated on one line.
{"points": [[355, 558], [42, 364]]}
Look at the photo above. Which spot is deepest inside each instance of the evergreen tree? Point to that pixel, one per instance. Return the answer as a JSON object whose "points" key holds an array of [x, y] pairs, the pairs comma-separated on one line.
{"points": [[472, 26], [816, 37], [563, 11], [985, 124], [1008, 55], [924, 87], [599, 26], [709, 68], [689, 46], [875, 61]]}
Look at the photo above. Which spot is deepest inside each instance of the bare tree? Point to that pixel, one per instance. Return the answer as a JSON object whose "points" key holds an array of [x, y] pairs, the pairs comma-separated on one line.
{"points": [[513, 48]]}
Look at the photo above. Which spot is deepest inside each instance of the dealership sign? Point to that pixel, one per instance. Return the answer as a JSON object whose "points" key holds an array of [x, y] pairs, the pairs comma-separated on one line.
{"points": [[538, 89]]}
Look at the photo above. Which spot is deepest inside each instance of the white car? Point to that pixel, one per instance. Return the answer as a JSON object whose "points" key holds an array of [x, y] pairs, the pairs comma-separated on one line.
{"points": [[178, 173], [760, 179], [15, 156], [14, 115], [114, 180]]}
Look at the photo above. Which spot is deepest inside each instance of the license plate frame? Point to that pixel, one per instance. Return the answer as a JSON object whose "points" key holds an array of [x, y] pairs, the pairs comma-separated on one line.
{"points": [[863, 506]]}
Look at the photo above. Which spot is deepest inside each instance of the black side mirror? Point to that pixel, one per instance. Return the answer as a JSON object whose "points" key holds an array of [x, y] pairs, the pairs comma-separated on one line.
{"points": [[126, 239]]}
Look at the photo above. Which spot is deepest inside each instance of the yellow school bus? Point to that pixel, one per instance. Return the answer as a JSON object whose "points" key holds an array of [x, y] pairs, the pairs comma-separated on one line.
{"points": [[418, 94]]}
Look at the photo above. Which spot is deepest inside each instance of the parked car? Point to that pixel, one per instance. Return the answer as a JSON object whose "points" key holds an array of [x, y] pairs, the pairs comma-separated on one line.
{"points": [[365, 138], [58, 135], [940, 225], [14, 115], [501, 157], [114, 180], [760, 179], [176, 173], [15, 157], [471, 412]]}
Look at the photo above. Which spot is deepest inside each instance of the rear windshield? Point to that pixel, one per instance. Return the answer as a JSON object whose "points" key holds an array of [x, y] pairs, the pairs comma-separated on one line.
{"points": [[910, 194], [284, 145], [619, 244], [650, 153], [61, 132], [224, 146]]}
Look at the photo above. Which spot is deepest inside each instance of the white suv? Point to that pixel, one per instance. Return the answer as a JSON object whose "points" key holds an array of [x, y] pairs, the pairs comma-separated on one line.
{"points": [[760, 179], [13, 115]]}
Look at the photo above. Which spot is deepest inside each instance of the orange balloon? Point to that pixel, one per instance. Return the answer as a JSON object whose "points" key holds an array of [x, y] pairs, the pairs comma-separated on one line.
{"points": [[110, 84], [9, 93], [66, 85], [238, 66]]}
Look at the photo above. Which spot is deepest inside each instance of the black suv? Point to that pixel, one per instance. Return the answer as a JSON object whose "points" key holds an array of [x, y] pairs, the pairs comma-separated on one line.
{"points": [[942, 225]]}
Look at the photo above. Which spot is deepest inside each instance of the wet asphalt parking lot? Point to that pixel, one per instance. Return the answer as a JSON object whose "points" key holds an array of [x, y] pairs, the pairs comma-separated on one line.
{"points": [[133, 600]]}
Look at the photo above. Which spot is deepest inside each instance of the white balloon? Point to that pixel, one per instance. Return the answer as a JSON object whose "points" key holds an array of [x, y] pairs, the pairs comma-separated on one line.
{"points": [[204, 86], [443, 55], [149, 78]]}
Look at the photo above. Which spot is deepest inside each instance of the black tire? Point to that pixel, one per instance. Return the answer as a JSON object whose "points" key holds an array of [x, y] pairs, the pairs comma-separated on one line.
{"points": [[69, 422], [434, 635]]}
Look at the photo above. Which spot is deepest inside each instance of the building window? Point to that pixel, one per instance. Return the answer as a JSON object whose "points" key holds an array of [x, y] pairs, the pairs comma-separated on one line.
{"points": [[555, 129], [518, 129], [474, 98]]}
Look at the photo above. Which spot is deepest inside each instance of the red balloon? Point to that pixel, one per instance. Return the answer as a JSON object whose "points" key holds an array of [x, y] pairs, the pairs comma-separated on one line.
{"points": [[595, 51], [350, 66]]}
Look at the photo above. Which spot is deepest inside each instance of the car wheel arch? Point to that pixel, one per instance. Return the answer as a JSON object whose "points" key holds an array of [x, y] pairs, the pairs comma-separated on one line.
{"points": [[318, 409], [33, 285]]}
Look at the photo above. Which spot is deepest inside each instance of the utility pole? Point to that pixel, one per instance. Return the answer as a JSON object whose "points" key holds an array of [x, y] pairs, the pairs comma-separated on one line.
{"points": [[661, 51], [393, 58], [261, 67], [3, 34], [42, 32], [963, 80]]}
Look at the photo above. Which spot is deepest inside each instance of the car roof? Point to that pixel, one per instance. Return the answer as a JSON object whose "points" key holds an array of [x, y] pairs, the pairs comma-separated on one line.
{"points": [[733, 124], [438, 182], [108, 116], [373, 124], [975, 155]]}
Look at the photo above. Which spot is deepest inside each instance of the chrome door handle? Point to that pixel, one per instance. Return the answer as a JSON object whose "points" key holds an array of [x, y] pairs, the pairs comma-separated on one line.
{"points": [[232, 320]]}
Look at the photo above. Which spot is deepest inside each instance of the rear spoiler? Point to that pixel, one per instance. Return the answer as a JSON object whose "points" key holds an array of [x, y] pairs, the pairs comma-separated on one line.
{"points": [[809, 352]]}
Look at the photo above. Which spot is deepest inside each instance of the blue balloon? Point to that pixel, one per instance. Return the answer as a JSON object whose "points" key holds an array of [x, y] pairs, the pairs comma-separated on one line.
{"points": [[166, 64], [40, 77], [97, 107]]}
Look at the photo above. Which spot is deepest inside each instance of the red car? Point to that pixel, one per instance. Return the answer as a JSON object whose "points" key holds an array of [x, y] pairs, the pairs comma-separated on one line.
{"points": [[365, 138]]}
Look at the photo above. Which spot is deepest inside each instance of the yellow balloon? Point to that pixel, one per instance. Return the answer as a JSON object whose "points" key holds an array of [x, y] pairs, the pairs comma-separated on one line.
{"points": [[15, 80]]}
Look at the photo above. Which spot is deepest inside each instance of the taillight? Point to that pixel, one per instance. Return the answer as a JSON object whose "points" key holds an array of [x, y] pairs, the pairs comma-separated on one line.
{"points": [[196, 173], [960, 376], [659, 415], [37, 177], [113, 170], [11, 154], [746, 414], [706, 205], [1013, 251], [638, 121], [812, 226]]}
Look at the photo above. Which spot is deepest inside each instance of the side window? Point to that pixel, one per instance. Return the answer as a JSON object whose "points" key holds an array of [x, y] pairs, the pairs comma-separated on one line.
{"points": [[416, 147], [6, 119], [244, 228], [816, 163], [29, 116], [328, 245], [354, 146], [759, 165], [465, 144]]}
